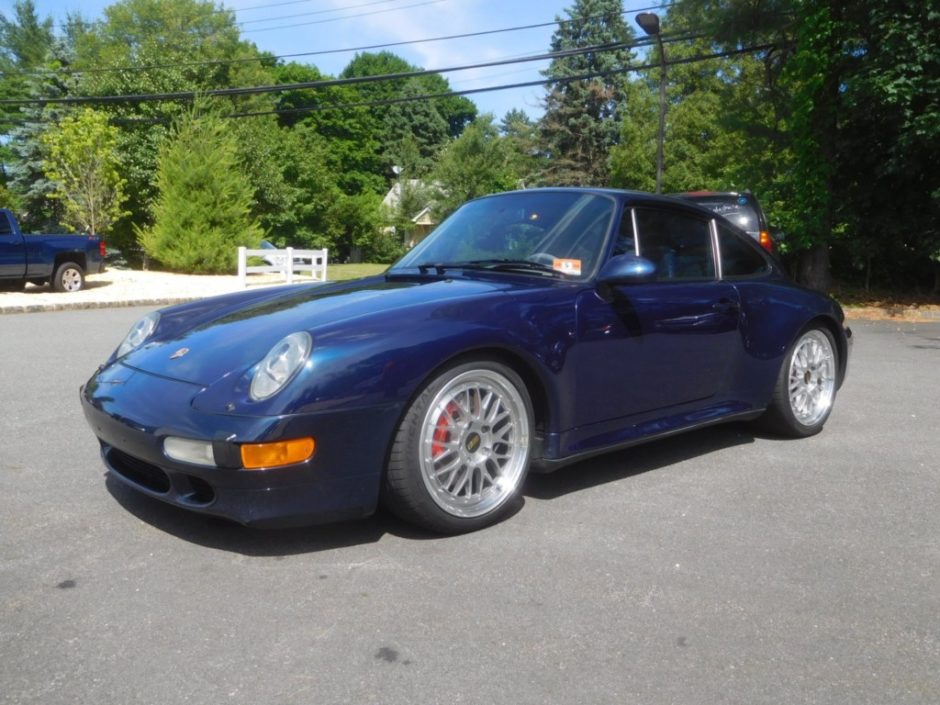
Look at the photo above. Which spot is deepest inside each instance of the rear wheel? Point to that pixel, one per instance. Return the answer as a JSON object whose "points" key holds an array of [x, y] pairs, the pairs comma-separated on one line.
{"points": [[462, 449], [68, 277], [806, 386]]}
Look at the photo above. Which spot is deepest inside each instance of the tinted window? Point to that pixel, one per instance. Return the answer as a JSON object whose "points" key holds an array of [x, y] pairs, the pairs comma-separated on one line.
{"points": [[5, 227], [738, 257], [678, 244]]}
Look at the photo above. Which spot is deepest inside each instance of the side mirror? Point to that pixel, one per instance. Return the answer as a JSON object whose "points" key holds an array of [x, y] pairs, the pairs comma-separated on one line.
{"points": [[626, 269]]}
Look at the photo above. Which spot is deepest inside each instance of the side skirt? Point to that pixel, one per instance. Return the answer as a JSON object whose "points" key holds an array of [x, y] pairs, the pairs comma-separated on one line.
{"points": [[545, 465]]}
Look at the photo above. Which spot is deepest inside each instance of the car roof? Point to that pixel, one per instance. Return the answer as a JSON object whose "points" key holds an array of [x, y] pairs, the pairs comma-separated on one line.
{"points": [[621, 194]]}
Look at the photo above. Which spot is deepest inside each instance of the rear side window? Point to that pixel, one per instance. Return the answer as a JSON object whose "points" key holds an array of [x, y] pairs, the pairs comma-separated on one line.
{"points": [[738, 257], [5, 227], [678, 244]]}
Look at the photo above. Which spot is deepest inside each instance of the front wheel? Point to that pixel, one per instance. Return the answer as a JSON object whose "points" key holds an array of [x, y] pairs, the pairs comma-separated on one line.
{"points": [[462, 450], [806, 386], [68, 277]]}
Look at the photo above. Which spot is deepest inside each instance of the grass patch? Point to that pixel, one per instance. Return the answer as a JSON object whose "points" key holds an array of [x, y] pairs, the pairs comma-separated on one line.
{"points": [[342, 272]]}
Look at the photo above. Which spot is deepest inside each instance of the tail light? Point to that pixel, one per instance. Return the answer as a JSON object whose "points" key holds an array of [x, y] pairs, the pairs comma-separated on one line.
{"points": [[102, 247], [766, 241]]}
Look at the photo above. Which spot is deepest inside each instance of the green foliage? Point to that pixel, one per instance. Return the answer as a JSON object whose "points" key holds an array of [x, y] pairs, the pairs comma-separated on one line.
{"points": [[25, 45], [522, 140], [174, 38], [477, 163], [355, 134], [83, 163], [457, 111], [582, 117], [203, 213]]}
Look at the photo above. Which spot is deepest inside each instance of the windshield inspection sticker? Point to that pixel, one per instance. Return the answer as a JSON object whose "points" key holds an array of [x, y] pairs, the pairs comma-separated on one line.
{"points": [[567, 266]]}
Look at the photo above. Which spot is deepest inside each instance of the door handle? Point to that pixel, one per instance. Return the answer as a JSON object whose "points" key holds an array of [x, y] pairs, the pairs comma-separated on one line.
{"points": [[726, 306]]}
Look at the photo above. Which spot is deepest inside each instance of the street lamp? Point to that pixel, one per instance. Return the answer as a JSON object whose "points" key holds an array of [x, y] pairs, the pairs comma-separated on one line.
{"points": [[649, 23]]}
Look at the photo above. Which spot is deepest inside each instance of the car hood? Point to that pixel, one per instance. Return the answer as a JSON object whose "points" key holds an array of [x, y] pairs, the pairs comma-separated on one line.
{"points": [[203, 342]]}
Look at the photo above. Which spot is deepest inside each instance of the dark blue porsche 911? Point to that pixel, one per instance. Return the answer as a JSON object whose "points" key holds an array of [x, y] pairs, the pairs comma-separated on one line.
{"points": [[529, 330]]}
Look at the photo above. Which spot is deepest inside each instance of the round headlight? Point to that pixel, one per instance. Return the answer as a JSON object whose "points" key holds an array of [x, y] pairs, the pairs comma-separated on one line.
{"points": [[280, 365], [138, 333]]}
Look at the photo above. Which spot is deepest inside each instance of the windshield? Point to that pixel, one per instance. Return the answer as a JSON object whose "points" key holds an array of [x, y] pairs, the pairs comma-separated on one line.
{"points": [[541, 232]]}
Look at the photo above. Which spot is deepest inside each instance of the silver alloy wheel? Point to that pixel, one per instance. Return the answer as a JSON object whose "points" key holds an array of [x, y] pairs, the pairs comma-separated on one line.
{"points": [[474, 443], [71, 279], [812, 378]]}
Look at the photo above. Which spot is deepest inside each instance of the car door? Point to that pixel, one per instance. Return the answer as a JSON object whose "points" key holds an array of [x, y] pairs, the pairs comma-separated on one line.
{"points": [[661, 343], [12, 250]]}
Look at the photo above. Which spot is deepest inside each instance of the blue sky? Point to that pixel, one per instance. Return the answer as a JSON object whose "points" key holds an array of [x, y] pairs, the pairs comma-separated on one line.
{"points": [[339, 24]]}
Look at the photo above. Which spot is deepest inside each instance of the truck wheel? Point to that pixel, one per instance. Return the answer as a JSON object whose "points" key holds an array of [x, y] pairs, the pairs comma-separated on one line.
{"points": [[68, 277]]}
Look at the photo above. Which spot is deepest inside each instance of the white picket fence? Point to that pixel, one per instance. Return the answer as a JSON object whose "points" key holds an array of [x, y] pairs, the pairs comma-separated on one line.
{"points": [[285, 262]]}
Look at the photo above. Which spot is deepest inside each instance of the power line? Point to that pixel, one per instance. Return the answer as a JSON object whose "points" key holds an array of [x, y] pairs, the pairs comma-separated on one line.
{"points": [[280, 88], [449, 94], [471, 91], [344, 17], [321, 52], [315, 12]]}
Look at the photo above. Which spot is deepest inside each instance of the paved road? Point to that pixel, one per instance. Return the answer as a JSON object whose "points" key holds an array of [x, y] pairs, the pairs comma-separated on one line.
{"points": [[718, 567]]}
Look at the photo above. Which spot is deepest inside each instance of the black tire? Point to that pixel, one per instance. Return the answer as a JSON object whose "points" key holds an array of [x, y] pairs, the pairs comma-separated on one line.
{"points": [[805, 391], [69, 277], [462, 449]]}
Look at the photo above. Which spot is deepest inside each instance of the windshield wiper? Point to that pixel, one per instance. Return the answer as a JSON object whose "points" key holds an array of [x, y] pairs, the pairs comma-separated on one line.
{"points": [[492, 264]]}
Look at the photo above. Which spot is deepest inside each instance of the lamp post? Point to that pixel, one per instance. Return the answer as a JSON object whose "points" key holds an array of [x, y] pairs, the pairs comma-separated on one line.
{"points": [[649, 23]]}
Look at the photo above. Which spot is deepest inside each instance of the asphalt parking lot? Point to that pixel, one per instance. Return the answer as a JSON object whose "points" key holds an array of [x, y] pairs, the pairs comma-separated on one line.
{"points": [[716, 567]]}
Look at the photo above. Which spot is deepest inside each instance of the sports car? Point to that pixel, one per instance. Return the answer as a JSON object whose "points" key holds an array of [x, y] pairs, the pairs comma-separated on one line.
{"points": [[530, 330]]}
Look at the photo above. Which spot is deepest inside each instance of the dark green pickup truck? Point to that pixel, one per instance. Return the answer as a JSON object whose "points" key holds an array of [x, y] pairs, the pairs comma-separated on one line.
{"points": [[62, 260]]}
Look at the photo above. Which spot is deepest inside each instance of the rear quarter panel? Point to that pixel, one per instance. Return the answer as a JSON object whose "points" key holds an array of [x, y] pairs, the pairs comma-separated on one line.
{"points": [[773, 314]]}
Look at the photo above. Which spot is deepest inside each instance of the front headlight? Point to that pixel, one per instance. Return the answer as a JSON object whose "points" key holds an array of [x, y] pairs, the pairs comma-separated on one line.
{"points": [[280, 365], [138, 333]]}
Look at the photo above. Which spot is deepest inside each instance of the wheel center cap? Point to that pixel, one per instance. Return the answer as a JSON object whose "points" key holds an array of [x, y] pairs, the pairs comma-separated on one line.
{"points": [[473, 442]]}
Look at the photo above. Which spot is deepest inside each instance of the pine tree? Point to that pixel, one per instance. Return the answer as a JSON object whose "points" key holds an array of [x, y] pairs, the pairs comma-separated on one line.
{"points": [[581, 121], [202, 214], [38, 210]]}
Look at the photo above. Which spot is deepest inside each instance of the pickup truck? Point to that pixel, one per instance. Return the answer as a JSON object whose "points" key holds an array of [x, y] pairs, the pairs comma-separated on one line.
{"points": [[63, 260]]}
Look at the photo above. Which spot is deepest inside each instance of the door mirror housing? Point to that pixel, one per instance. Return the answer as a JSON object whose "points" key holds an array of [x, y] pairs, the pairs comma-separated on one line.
{"points": [[626, 269]]}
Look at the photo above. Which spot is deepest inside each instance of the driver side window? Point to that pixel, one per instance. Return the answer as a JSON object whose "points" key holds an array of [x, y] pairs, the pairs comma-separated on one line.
{"points": [[678, 244]]}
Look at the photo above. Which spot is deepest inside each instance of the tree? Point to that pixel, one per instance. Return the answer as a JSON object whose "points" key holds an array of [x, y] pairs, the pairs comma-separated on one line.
{"points": [[83, 163], [161, 46], [457, 111], [355, 134], [203, 213], [25, 42], [39, 211], [582, 117], [415, 123], [477, 163], [522, 140]]}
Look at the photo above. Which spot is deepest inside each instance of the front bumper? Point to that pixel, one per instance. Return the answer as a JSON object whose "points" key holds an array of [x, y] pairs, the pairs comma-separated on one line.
{"points": [[131, 412]]}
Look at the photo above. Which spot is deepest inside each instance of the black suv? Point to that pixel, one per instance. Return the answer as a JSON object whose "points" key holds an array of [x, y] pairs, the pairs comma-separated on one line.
{"points": [[742, 209]]}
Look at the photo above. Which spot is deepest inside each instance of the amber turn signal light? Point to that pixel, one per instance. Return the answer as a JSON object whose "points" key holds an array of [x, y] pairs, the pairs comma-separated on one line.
{"points": [[277, 454]]}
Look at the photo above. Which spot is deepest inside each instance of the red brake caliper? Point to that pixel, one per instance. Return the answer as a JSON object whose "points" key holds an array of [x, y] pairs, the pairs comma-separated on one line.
{"points": [[442, 431]]}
